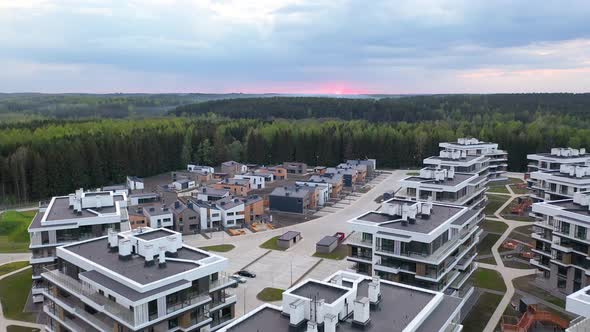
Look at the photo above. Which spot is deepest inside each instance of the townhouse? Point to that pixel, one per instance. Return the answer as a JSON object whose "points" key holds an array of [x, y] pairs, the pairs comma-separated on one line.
{"points": [[140, 280], [239, 187], [335, 182], [65, 219], [224, 213], [211, 193], [294, 167], [186, 219], [349, 175], [253, 208], [232, 168], [371, 165], [256, 181], [158, 215], [423, 244]]}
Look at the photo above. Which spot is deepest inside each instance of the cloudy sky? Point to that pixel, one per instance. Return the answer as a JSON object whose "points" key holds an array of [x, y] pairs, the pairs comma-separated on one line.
{"points": [[297, 46]]}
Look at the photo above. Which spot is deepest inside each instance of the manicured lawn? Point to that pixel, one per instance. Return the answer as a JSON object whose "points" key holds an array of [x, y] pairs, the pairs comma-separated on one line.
{"points": [[15, 328], [14, 291], [489, 279], [270, 294], [488, 260], [517, 190], [219, 248], [507, 213], [272, 244], [13, 227], [413, 173], [338, 254], [484, 247], [517, 265], [12, 266], [520, 234], [493, 226], [525, 284], [498, 188], [481, 313], [494, 203]]}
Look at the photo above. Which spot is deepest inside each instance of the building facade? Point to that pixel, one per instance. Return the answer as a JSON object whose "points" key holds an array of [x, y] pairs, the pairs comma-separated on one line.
{"points": [[560, 184]]}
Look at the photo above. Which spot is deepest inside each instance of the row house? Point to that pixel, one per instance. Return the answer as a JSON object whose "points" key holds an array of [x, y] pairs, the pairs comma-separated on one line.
{"points": [[239, 187], [335, 182], [224, 213], [294, 167], [293, 199], [233, 167]]}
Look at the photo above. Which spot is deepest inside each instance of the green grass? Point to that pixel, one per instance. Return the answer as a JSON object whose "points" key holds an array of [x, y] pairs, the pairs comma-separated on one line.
{"points": [[507, 213], [272, 244], [338, 254], [219, 248], [493, 226], [494, 203], [516, 234], [490, 279], [15, 328], [488, 260], [481, 313], [13, 227], [519, 191], [526, 285], [484, 247], [517, 265], [498, 189], [14, 291], [12, 266], [270, 294], [414, 173]]}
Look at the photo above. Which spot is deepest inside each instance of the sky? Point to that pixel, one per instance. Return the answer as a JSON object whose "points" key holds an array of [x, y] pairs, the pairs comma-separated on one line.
{"points": [[295, 46]]}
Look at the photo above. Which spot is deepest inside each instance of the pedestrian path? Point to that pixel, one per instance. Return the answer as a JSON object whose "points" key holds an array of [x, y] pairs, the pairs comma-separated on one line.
{"points": [[4, 322]]}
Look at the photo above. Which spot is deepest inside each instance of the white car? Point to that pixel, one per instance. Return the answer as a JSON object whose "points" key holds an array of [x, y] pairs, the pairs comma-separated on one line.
{"points": [[239, 279]]}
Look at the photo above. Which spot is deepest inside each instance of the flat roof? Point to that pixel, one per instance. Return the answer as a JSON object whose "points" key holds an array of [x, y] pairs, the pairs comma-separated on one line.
{"points": [[466, 158], [134, 268], [327, 241], [152, 235], [291, 191], [465, 217], [61, 210], [289, 235], [441, 314], [457, 179], [570, 206], [313, 289]]}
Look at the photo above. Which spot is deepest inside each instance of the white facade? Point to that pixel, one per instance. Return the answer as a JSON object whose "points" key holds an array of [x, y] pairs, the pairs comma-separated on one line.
{"points": [[194, 168], [561, 184], [184, 184], [134, 183], [256, 181], [324, 190]]}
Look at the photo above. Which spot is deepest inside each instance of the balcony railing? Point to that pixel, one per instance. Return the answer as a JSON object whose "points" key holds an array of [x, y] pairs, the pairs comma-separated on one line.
{"points": [[222, 281], [83, 290], [191, 300], [357, 238]]}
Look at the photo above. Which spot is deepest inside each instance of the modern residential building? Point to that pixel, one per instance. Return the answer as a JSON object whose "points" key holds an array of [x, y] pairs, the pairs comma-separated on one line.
{"points": [[253, 208], [143, 198], [140, 280], [65, 219], [134, 183], [334, 180], [268, 175], [294, 167], [578, 303], [201, 168], [446, 186], [158, 215], [370, 163], [232, 168], [211, 194], [294, 199], [184, 184], [227, 212], [560, 184], [136, 217], [562, 242], [279, 172], [186, 219], [361, 171], [323, 190], [495, 161], [349, 175], [553, 160], [239, 187], [198, 176], [348, 302], [256, 181], [423, 244]]}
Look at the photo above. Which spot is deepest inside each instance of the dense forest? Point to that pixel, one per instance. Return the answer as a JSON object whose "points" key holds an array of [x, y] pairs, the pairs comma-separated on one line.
{"points": [[501, 107], [39, 159]]}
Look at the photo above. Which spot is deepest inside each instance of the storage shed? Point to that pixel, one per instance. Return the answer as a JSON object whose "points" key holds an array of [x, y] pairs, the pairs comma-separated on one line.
{"points": [[288, 239], [326, 245]]}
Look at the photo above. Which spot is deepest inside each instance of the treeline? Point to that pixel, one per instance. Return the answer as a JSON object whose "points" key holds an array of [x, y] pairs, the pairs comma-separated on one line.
{"points": [[54, 158], [496, 107]]}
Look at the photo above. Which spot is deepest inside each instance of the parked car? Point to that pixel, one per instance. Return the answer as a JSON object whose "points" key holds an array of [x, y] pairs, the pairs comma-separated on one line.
{"points": [[246, 273], [239, 279]]}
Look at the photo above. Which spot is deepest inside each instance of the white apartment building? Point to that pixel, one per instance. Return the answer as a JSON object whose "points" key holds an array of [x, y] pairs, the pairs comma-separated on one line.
{"points": [[256, 181], [446, 186], [562, 242], [348, 302], [140, 280], [65, 219], [227, 212], [423, 244], [560, 184], [578, 303], [553, 160], [472, 155]]}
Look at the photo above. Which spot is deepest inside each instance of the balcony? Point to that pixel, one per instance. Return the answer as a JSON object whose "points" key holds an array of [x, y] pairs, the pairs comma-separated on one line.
{"points": [[192, 300], [85, 292], [99, 320], [357, 239], [223, 281], [227, 299], [541, 237], [538, 264]]}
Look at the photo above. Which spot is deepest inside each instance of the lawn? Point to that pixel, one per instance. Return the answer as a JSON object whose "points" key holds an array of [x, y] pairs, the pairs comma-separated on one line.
{"points": [[519, 234], [270, 294], [490, 279], [515, 264], [481, 313], [14, 291], [484, 247], [525, 284], [272, 244], [15, 328], [517, 190], [493, 226], [13, 227], [413, 173], [12, 266], [507, 213], [488, 260], [494, 203], [219, 248], [338, 254], [498, 188]]}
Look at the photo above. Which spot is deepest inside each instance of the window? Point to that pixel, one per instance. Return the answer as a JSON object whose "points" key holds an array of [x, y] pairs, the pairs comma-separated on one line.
{"points": [[153, 309], [581, 232]]}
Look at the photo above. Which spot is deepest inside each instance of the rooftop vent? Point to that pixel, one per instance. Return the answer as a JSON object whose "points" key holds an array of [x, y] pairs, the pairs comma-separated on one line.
{"points": [[162, 257], [375, 290], [361, 314], [297, 312], [124, 249], [113, 239], [148, 254]]}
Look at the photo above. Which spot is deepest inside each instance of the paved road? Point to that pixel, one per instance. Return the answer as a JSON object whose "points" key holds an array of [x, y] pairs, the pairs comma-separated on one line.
{"points": [[508, 274], [6, 258], [279, 268], [4, 322]]}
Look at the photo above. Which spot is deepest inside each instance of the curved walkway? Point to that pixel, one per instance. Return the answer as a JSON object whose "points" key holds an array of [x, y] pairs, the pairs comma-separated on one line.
{"points": [[508, 274], [4, 322]]}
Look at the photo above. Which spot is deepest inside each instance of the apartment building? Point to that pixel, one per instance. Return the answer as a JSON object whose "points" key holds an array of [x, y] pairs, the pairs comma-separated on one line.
{"points": [[560, 184], [227, 212], [349, 302], [423, 244], [578, 303], [140, 280], [553, 160], [469, 155], [65, 219], [239, 187], [446, 186], [562, 242]]}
